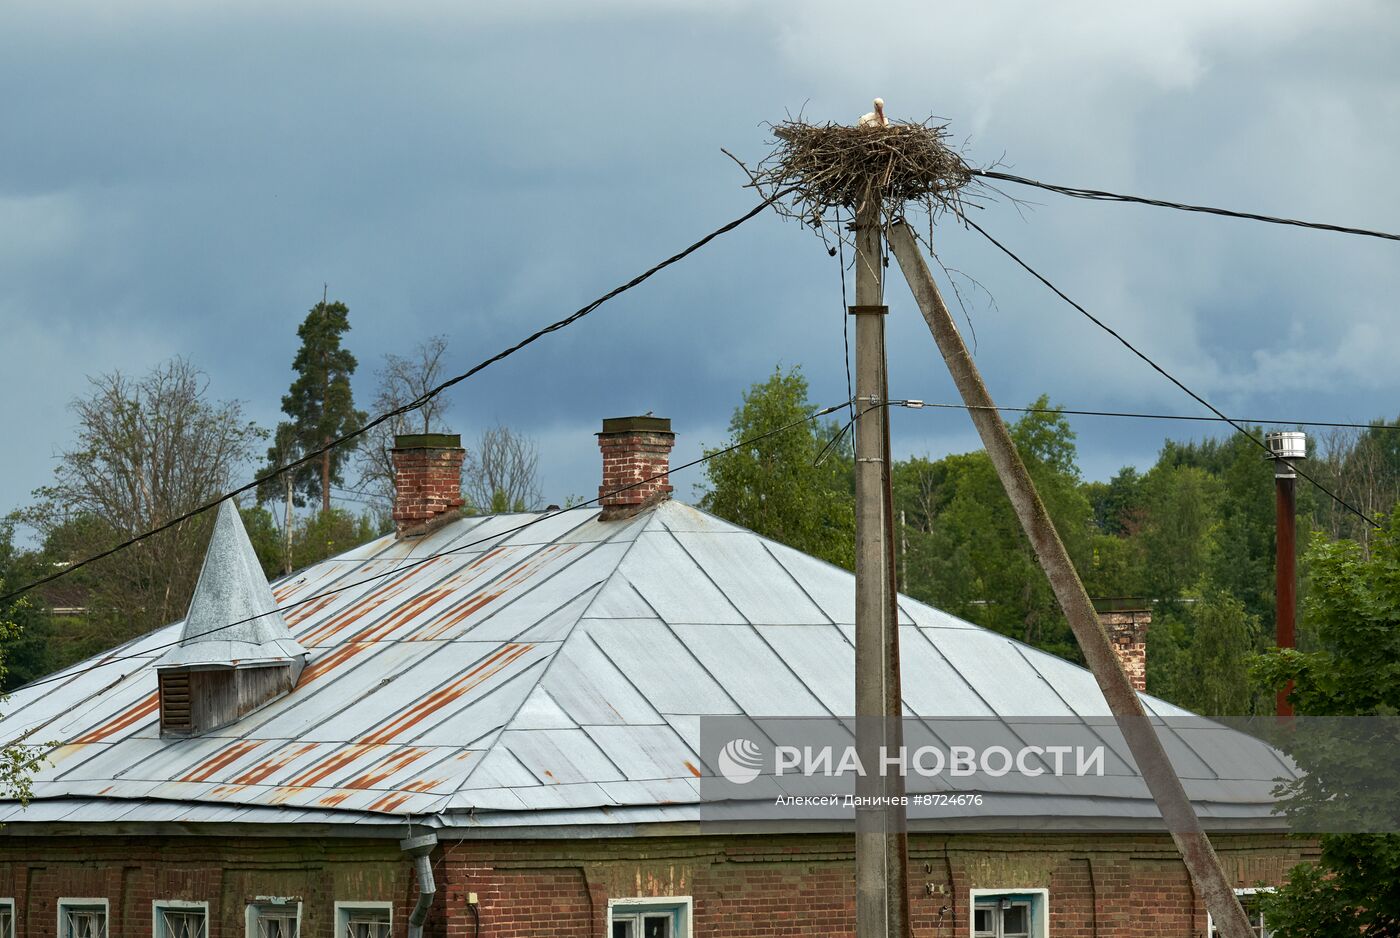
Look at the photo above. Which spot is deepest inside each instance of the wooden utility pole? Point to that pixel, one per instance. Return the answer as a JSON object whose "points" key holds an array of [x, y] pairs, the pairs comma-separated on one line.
{"points": [[1287, 446], [1196, 851], [882, 897]]}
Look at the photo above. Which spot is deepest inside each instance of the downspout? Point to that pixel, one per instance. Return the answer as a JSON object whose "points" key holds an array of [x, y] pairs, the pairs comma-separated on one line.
{"points": [[421, 848]]}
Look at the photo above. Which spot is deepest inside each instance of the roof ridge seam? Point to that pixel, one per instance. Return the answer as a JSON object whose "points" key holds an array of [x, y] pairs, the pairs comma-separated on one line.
{"points": [[508, 723]]}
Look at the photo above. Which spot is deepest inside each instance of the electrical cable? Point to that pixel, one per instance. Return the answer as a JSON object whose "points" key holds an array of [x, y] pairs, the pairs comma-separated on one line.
{"points": [[1169, 376], [916, 403], [1099, 195], [412, 405], [845, 318], [408, 565]]}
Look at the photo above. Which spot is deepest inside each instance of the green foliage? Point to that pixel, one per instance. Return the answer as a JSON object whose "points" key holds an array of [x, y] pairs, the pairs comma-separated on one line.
{"points": [[1117, 502], [1223, 637], [28, 652], [1353, 613], [18, 763], [265, 537], [1240, 558], [320, 405], [328, 533], [967, 553], [775, 487], [147, 450], [1179, 506]]}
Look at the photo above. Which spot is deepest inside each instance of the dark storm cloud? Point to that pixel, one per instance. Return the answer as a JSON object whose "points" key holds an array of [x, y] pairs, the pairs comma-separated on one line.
{"points": [[182, 181]]}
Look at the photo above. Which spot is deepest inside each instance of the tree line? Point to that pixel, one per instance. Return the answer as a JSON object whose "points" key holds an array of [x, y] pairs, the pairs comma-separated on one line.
{"points": [[152, 448], [1191, 537]]}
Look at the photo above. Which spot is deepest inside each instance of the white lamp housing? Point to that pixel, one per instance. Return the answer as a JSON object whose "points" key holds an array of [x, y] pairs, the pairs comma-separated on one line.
{"points": [[1287, 444]]}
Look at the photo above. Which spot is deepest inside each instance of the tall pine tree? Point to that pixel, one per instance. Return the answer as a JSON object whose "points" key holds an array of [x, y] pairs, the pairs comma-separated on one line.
{"points": [[320, 404]]}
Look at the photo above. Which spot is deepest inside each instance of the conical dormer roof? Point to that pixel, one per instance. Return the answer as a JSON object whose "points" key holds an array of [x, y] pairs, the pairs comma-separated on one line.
{"points": [[525, 671], [233, 618]]}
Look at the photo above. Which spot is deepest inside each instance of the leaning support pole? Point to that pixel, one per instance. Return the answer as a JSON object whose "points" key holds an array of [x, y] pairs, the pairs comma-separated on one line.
{"points": [[1157, 771]]}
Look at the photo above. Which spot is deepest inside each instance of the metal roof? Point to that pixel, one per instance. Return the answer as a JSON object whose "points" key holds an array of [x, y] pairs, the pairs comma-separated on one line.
{"points": [[554, 675], [233, 617]]}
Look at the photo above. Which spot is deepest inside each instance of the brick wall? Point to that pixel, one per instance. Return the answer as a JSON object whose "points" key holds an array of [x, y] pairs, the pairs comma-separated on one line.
{"points": [[1101, 886], [133, 872], [427, 480], [1128, 632], [635, 449]]}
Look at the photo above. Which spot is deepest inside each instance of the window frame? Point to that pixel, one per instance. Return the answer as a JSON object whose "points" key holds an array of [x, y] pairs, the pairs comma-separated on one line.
{"points": [[684, 904], [10, 904], [201, 905], [1244, 891], [1039, 898], [343, 910], [67, 902], [260, 903]]}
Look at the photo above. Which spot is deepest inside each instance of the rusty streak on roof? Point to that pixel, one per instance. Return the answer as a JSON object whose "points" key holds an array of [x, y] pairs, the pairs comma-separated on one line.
{"points": [[547, 676]]}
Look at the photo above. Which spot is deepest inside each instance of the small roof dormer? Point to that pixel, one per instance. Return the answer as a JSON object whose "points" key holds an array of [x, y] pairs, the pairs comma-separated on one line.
{"points": [[235, 652]]}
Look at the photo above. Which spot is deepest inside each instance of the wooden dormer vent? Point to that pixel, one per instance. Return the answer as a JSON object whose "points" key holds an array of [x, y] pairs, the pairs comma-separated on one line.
{"points": [[235, 653]]}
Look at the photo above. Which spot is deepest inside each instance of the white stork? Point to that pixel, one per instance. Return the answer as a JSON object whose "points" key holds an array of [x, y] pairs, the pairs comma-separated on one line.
{"points": [[875, 118]]}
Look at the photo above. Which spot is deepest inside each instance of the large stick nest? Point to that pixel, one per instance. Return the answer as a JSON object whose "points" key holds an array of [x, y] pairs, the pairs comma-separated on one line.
{"points": [[825, 168]]}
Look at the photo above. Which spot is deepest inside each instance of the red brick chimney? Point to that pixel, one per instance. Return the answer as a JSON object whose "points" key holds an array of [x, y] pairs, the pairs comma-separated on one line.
{"points": [[634, 449], [1127, 628], [427, 481]]}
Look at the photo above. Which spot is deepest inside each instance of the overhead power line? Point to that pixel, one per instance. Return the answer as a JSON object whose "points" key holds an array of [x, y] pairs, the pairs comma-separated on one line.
{"points": [[400, 568], [916, 403], [1099, 195], [1168, 375], [410, 406]]}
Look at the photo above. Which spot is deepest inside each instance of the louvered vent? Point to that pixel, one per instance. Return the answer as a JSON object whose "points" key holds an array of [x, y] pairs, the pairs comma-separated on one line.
{"points": [[175, 711]]}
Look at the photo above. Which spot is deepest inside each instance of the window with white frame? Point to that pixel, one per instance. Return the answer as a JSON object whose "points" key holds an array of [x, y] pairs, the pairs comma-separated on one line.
{"points": [[7, 918], [363, 920], [1249, 898], [82, 918], [274, 918], [1010, 914], [181, 919], [662, 917]]}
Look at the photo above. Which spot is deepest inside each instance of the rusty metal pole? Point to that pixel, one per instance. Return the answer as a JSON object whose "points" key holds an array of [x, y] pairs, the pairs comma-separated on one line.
{"points": [[1285, 571], [1196, 851], [881, 855]]}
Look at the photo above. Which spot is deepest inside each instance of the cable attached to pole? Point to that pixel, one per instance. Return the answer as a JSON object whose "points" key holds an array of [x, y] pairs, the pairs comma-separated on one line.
{"points": [[1168, 375], [1099, 195]]}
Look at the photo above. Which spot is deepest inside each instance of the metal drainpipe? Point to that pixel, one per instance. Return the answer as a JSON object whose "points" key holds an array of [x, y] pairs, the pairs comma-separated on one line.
{"points": [[420, 848]]}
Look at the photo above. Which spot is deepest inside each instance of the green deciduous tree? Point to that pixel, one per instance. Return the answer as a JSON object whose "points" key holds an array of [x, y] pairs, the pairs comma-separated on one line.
{"points": [[328, 533], [968, 554], [1353, 617], [777, 487], [320, 405], [18, 763], [148, 450]]}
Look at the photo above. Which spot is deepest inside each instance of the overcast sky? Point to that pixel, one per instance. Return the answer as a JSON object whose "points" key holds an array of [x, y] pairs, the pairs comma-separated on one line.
{"points": [[181, 179]]}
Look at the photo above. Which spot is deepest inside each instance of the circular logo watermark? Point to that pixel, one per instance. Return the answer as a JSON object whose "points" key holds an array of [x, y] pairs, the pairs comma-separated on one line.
{"points": [[740, 761]]}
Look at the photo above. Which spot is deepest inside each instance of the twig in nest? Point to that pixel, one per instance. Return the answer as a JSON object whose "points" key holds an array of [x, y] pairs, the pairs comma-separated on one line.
{"points": [[832, 166]]}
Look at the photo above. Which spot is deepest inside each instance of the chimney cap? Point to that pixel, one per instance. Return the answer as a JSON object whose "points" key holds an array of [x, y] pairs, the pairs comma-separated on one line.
{"points": [[428, 441], [643, 424]]}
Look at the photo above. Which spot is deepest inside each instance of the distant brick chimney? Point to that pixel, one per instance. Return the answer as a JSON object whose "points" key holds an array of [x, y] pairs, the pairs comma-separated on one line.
{"points": [[1127, 628], [427, 481], [634, 449]]}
